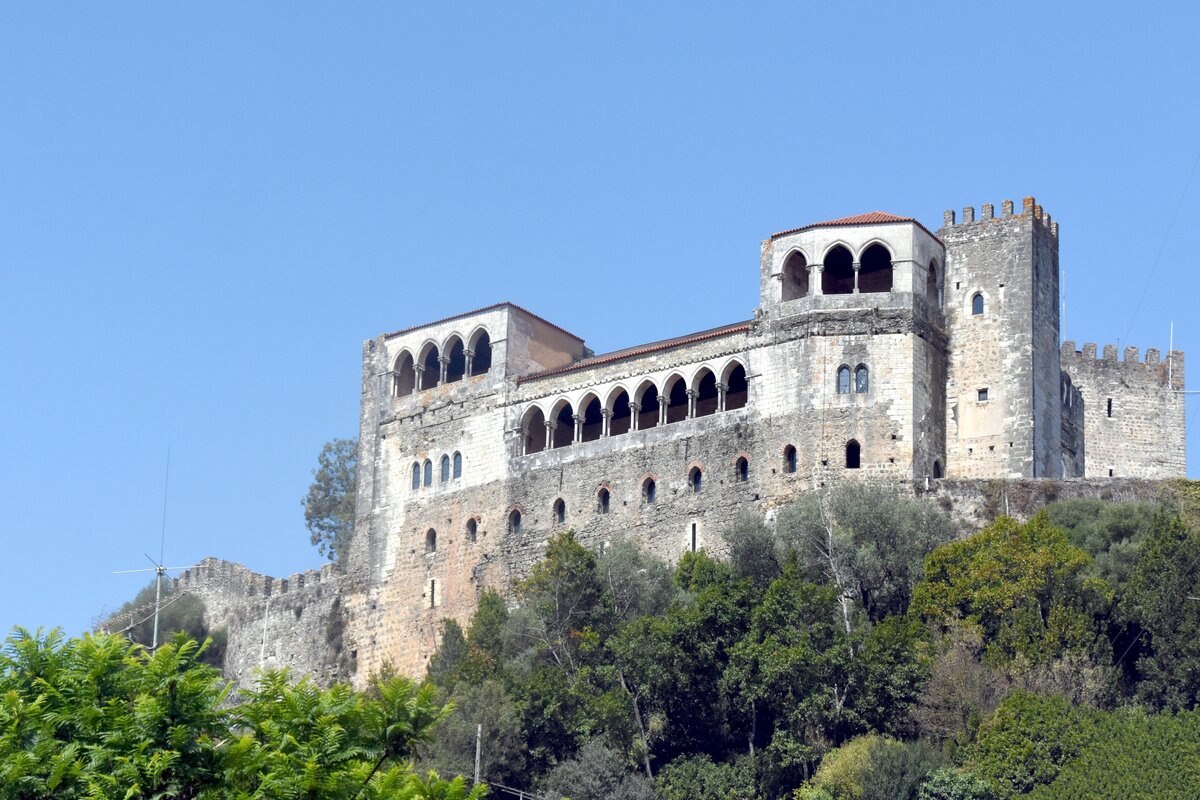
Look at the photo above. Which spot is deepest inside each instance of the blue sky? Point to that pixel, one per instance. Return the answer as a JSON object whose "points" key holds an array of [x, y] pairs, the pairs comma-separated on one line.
{"points": [[205, 209]]}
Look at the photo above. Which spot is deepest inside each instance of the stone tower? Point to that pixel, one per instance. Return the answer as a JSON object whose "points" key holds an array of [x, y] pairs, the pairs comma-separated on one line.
{"points": [[1003, 389]]}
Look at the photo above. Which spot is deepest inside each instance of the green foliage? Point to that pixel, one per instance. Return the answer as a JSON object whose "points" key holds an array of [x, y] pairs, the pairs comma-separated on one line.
{"points": [[1110, 533], [329, 504], [596, 773], [1024, 585], [1163, 599], [1026, 742], [754, 552], [101, 718], [698, 778], [874, 767], [1132, 754], [954, 784], [452, 750], [179, 613]]}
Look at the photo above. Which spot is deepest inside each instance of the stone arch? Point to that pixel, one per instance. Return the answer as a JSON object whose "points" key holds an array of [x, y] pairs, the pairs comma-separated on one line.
{"points": [[737, 389], [480, 345], [560, 511], [455, 351], [853, 454], [431, 366], [533, 430], [603, 499], [431, 541], [789, 459], [562, 419], [404, 378], [647, 400], [704, 384], [675, 390], [696, 478], [590, 409], [875, 269], [933, 289], [795, 275], [513, 521], [649, 490], [741, 468], [837, 271], [621, 415]]}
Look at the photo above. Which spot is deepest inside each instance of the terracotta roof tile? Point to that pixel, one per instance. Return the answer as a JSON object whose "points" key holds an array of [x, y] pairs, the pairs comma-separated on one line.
{"points": [[870, 218], [631, 352]]}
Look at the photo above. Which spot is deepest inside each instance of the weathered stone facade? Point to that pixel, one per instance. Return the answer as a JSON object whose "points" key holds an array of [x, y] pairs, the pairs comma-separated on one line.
{"points": [[879, 351]]}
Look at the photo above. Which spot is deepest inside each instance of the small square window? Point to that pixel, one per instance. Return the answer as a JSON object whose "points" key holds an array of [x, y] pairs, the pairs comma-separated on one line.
{"points": [[983, 395]]}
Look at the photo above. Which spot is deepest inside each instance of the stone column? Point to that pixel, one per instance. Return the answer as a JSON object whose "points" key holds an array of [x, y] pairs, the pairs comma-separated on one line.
{"points": [[721, 389], [814, 278], [606, 422], [470, 354], [549, 435], [634, 410], [445, 363], [662, 410], [418, 371], [578, 428], [691, 395], [857, 267], [893, 278]]}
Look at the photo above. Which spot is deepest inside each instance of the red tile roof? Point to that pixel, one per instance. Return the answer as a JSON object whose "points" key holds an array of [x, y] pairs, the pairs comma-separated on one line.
{"points": [[631, 352], [870, 218], [466, 314]]}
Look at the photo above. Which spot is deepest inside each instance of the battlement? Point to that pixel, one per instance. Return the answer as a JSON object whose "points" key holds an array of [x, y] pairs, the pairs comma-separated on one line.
{"points": [[1029, 208], [1174, 359], [212, 571]]}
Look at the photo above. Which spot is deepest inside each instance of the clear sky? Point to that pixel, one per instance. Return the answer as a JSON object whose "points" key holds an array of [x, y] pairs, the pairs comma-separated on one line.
{"points": [[206, 208]]}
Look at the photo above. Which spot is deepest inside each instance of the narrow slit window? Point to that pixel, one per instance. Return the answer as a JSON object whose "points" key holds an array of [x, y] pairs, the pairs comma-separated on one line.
{"points": [[789, 459], [560, 511], [696, 479], [1110, 406], [602, 501], [458, 465], [693, 537], [648, 491], [445, 469], [742, 470], [843, 380]]}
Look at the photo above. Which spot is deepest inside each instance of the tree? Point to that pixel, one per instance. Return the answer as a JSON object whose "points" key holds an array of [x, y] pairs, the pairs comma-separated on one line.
{"points": [[874, 767], [329, 504], [1111, 533], [596, 773], [699, 778], [502, 756], [1026, 742]]}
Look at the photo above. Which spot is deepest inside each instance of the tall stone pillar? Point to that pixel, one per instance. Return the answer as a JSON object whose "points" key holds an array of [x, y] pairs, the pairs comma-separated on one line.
{"points": [[606, 422], [578, 419], [470, 355], [857, 267], [692, 394], [662, 410], [721, 389], [444, 362], [634, 410]]}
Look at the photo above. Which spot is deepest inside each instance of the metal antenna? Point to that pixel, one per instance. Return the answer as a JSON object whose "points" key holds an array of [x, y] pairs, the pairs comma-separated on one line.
{"points": [[158, 569]]}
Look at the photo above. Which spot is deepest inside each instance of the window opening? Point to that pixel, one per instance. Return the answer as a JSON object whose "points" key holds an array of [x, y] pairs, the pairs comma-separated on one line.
{"points": [[861, 379], [416, 476], [789, 459], [706, 394], [931, 285], [481, 361], [403, 377], [534, 431], [743, 469], [693, 537], [432, 371], [696, 479], [677, 403], [431, 541], [843, 380], [853, 454], [648, 408], [875, 271], [602, 498], [432, 592], [564, 427], [514, 521], [648, 490], [622, 417], [983, 395], [977, 304], [738, 390], [428, 472], [937, 469], [458, 465], [593, 421], [795, 276], [472, 530], [1110, 406], [457, 368], [837, 275], [445, 469], [560, 511]]}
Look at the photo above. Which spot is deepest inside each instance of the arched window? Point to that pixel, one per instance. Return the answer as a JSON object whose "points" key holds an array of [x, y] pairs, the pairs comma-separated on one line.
{"points": [[789, 459], [696, 480], [458, 465], [648, 406], [428, 472], [736, 389], [843, 380], [677, 402], [431, 541], [416, 476], [602, 501], [445, 469], [875, 270], [931, 285], [837, 274], [533, 431], [432, 371], [457, 367], [861, 379], [403, 377], [706, 393], [852, 455], [977, 304], [648, 491], [564, 426], [481, 361], [795, 276], [622, 416], [560, 511], [514, 521], [472, 530], [742, 469], [937, 469], [593, 420]]}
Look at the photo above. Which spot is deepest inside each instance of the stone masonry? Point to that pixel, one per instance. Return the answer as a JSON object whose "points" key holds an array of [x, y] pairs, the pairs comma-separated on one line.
{"points": [[879, 351]]}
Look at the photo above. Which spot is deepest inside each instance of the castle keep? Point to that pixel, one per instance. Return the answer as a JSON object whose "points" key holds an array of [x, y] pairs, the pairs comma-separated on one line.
{"points": [[879, 350]]}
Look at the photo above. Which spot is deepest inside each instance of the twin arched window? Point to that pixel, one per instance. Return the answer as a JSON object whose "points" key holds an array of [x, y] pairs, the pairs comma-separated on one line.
{"points": [[862, 379]]}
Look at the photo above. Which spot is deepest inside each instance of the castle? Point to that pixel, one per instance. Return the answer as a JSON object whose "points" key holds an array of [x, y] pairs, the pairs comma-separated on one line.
{"points": [[880, 350]]}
